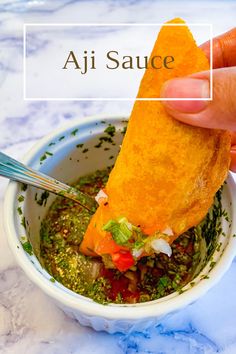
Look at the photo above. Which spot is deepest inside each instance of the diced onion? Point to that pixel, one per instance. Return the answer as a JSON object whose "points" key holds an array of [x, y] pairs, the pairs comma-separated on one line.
{"points": [[95, 270], [137, 252], [168, 231], [101, 194], [160, 245]]}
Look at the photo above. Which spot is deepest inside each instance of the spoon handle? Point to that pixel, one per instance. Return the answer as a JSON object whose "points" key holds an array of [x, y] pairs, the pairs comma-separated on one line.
{"points": [[17, 171]]}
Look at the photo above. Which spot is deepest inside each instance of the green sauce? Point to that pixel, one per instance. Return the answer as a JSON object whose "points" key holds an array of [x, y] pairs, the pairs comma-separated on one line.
{"points": [[151, 278]]}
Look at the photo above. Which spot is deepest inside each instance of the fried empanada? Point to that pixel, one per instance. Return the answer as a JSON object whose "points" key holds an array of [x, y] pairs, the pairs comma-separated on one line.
{"points": [[167, 173]]}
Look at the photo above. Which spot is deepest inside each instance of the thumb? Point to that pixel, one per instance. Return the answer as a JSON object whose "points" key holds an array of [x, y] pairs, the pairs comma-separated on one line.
{"points": [[220, 113]]}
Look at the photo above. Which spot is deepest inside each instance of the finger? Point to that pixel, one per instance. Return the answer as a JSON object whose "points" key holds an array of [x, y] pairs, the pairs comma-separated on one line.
{"points": [[233, 138], [233, 159], [220, 113], [224, 49]]}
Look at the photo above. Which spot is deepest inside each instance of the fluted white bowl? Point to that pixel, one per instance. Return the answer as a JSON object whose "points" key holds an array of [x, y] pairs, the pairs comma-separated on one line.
{"points": [[67, 163]]}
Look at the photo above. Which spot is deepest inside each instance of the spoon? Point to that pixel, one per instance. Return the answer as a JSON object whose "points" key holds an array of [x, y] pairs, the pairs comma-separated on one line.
{"points": [[17, 171]]}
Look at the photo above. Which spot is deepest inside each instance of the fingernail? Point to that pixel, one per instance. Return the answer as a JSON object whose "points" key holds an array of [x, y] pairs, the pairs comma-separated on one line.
{"points": [[233, 158], [186, 88]]}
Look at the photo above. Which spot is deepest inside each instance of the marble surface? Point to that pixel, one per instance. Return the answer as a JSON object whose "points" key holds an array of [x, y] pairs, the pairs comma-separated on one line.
{"points": [[29, 321]]}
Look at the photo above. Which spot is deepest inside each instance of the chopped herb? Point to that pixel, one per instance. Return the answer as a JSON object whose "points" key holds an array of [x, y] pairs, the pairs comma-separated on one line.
{"points": [[51, 144], [219, 247], [74, 132], [111, 157], [43, 198], [21, 198], [212, 264], [164, 281], [52, 280], [43, 157], [98, 145], [19, 211], [110, 130], [124, 130], [27, 247], [205, 277], [61, 138], [85, 150], [24, 187], [138, 244], [79, 145], [106, 139], [23, 223]]}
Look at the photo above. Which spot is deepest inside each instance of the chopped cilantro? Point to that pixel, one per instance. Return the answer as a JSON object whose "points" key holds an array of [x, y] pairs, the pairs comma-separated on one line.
{"points": [[43, 198], [110, 130], [43, 157], [98, 145], [24, 187], [79, 145], [164, 281], [74, 132], [27, 247], [138, 245], [205, 277], [123, 131], [19, 211], [21, 198]]}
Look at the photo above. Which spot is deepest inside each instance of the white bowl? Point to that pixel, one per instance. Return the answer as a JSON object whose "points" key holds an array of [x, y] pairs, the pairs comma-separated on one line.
{"points": [[64, 165]]}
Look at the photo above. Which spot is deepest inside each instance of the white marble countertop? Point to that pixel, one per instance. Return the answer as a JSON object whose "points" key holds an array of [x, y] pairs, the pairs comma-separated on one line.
{"points": [[29, 321]]}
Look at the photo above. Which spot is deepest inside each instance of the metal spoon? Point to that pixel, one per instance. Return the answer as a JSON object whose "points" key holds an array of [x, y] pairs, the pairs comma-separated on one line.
{"points": [[17, 171]]}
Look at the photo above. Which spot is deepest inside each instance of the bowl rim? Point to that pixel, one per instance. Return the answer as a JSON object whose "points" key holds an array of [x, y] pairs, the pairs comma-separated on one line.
{"points": [[84, 305]]}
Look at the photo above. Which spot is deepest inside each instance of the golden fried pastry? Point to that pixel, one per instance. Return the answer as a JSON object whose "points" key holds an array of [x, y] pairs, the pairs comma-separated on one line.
{"points": [[167, 173]]}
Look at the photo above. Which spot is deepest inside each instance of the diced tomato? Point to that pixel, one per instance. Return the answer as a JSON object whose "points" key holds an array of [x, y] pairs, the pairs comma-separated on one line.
{"points": [[123, 260], [132, 298], [119, 286]]}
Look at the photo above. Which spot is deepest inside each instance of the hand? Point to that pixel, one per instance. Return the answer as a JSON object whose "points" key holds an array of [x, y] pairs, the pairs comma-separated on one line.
{"points": [[219, 113]]}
